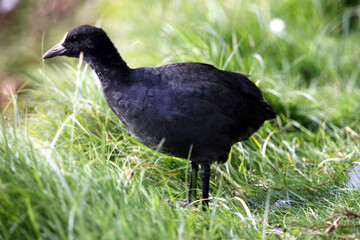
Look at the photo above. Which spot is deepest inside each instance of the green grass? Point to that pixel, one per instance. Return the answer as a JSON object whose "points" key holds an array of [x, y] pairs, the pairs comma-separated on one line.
{"points": [[65, 158]]}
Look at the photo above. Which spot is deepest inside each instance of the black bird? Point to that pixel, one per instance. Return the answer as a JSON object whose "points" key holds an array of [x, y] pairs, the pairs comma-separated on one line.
{"points": [[184, 106]]}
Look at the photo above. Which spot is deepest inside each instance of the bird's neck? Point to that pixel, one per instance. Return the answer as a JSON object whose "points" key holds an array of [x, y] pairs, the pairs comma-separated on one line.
{"points": [[108, 67]]}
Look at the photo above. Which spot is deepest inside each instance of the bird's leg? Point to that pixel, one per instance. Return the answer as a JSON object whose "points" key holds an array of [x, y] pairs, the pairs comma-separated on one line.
{"points": [[205, 178], [194, 167]]}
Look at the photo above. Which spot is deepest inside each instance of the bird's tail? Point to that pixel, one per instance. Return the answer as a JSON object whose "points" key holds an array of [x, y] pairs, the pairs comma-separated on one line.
{"points": [[269, 112]]}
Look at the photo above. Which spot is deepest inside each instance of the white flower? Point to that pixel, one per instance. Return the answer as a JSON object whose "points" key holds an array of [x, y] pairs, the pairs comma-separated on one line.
{"points": [[277, 25]]}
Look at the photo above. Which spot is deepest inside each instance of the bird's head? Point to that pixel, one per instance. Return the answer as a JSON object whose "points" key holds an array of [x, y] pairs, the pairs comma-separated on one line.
{"points": [[85, 38]]}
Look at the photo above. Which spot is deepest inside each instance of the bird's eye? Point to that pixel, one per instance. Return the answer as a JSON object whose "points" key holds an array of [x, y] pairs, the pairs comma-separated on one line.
{"points": [[74, 38]]}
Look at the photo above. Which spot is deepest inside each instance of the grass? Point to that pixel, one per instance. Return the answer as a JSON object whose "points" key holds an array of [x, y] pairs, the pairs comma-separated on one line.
{"points": [[69, 170]]}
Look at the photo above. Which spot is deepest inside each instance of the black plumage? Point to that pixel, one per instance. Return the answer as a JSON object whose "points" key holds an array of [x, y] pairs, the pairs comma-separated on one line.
{"points": [[183, 106]]}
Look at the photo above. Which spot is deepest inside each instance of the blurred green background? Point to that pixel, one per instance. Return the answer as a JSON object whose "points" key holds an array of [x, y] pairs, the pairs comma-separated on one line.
{"points": [[69, 169], [152, 33]]}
